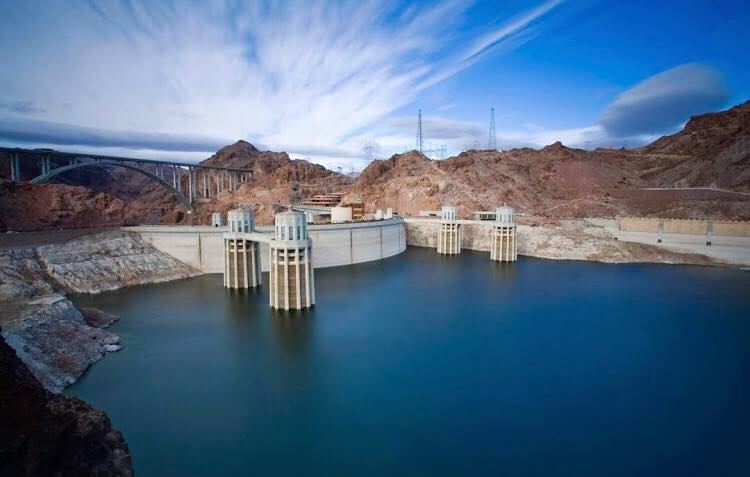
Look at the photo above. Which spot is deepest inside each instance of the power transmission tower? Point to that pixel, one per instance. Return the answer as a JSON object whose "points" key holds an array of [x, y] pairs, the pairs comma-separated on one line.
{"points": [[420, 140], [492, 142]]}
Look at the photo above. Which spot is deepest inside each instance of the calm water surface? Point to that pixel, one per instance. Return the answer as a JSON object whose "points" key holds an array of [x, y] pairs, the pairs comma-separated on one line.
{"points": [[427, 365]]}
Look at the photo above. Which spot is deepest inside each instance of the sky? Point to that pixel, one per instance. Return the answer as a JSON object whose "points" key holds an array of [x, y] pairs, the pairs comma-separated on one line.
{"points": [[339, 83]]}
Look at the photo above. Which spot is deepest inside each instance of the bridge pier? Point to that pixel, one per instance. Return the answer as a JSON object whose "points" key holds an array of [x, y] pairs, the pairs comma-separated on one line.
{"points": [[15, 168], [46, 165]]}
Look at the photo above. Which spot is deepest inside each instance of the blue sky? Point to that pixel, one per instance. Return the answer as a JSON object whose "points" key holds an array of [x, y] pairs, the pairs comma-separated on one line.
{"points": [[321, 79]]}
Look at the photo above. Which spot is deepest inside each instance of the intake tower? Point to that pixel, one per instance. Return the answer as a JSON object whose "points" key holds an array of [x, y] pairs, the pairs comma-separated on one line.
{"points": [[291, 269], [449, 232], [503, 247], [241, 252]]}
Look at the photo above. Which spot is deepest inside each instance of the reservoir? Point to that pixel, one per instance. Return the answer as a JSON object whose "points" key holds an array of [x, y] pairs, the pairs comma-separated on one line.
{"points": [[439, 366]]}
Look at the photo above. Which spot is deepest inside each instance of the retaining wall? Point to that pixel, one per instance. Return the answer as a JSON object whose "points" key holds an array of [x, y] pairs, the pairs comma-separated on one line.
{"points": [[684, 226]]}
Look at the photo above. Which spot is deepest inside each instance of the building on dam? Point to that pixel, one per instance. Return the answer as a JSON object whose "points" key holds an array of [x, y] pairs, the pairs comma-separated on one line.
{"points": [[241, 251], [291, 277], [449, 232], [503, 247]]}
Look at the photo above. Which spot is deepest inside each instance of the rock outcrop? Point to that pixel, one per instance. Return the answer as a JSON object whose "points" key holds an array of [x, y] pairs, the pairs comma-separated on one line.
{"points": [[44, 434], [55, 340], [108, 261]]}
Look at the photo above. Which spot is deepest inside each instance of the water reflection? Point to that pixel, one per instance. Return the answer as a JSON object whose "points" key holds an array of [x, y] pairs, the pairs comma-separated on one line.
{"points": [[293, 330]]}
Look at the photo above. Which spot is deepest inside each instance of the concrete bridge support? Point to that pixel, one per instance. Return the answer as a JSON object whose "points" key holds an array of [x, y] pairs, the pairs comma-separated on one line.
{"points": [[503, 247], [291, 271], [449, 232], [15, 168]]}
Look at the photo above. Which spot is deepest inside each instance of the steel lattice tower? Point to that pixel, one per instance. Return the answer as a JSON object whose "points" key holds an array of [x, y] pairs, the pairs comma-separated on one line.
{"points": [[420, 140], [492, 142]]}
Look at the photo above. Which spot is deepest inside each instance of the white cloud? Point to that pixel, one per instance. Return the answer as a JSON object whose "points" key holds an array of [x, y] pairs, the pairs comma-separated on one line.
{"points": [[508, 30], [305, 77]]}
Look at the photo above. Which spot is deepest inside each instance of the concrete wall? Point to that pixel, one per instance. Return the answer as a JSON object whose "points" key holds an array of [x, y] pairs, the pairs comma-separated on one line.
{"points": [[687, 227], [732, 229], [333, 244]]}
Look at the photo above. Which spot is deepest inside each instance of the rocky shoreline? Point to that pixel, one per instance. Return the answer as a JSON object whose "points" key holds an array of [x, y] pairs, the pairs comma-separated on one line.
{"points": [[55, 340], [567, 240], [45, 434]]}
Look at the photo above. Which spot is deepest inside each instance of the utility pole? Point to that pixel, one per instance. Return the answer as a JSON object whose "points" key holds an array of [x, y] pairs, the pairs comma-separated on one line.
{"points": [[420, 140], [492, 142]]}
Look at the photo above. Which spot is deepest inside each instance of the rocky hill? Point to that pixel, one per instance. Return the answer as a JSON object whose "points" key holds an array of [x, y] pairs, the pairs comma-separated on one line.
{"points": [[276, 179], [712, 151]]}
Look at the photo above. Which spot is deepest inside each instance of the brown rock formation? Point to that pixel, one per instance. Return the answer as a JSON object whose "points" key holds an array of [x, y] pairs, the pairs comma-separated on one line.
{"points": [[276, 179], [43, 434], [712, 151]]}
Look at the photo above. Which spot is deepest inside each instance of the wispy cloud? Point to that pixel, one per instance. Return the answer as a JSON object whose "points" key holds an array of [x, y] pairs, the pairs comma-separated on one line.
{"points": [[507, 31], [304, 77]]}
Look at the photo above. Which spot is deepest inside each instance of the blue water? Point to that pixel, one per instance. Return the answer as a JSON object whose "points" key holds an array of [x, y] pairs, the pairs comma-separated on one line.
{"points": [[437, 366]]}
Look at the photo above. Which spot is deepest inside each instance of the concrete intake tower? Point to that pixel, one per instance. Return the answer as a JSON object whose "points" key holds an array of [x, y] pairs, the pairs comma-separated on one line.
{"points": [[291, 270], [241, 251], [503, 247], [449, 232]]}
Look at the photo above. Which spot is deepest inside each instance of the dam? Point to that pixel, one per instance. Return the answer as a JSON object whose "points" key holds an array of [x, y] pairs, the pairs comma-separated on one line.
{"points": [[334, 245]]}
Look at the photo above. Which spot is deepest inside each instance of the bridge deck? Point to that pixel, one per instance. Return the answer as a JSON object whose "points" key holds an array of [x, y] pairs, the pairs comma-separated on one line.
{"points": [[53, 154]]}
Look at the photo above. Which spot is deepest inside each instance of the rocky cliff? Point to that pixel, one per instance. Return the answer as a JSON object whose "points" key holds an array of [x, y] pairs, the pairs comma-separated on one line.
{"points": [[44, 434], [57, 341]]}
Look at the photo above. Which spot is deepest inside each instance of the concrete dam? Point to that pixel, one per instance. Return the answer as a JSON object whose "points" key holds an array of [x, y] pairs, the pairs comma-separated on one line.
{"points": [[333, 245]]}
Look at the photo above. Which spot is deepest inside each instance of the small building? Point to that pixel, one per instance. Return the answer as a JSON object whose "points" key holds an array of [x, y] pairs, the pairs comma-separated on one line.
{"points": [[449, 232], [216, 220], [388, 213], [484, 215], [341, 214], [358, 207]]}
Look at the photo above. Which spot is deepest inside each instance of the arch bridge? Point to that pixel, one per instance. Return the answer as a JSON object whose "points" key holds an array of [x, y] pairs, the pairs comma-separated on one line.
{"points": [[185, 180]]}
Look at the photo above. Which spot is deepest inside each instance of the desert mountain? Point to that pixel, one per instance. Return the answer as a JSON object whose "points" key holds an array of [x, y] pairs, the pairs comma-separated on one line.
{"points": [[713, 150]]}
